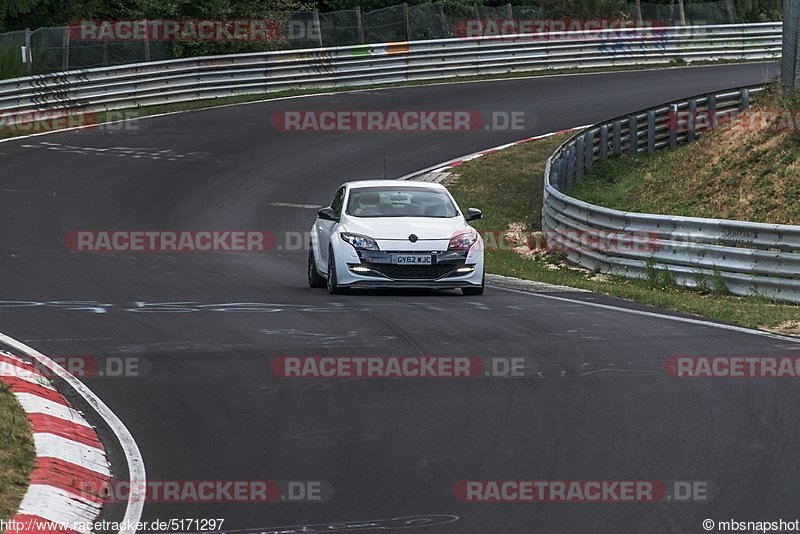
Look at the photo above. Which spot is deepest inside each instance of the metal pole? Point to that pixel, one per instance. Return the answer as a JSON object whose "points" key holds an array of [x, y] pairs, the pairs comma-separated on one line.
{"points": [[616, 141], [406, 22], [673, 126], [28, 51], [65, 49], [360, 25], [690, 134], [443, 21], [603, 141], [147, 40], [317, 27], [651, 131], [633, 135]]}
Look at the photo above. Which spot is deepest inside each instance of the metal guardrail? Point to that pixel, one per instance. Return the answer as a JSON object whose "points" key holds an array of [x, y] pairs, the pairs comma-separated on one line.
{"points": [[143, 84], [751, 258]]}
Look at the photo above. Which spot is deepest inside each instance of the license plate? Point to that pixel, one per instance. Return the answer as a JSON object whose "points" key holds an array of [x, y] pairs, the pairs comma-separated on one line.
{"points": [[412, 259]]}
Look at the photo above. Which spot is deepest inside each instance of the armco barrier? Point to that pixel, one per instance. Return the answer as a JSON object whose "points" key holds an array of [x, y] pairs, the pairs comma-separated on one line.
{"points": [[751, 258], [142, 84]]}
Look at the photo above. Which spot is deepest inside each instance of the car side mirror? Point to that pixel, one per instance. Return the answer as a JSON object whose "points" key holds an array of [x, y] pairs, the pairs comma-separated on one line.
{"points": [[473, 214], [327, 214]]}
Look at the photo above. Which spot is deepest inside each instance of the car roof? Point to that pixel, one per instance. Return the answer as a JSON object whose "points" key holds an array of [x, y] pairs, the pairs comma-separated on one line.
{"points": [[391, 184]]}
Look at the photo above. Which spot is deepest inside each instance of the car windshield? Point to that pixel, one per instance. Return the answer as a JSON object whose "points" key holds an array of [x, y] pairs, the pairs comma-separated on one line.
{"points": [[400, 202]]}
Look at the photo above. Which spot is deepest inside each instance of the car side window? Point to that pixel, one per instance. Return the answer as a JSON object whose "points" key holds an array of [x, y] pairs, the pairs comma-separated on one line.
{"points": [[338, 202]]}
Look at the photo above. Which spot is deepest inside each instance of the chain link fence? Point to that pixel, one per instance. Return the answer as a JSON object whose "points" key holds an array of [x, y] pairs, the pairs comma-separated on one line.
{"points": [[56, 49]]}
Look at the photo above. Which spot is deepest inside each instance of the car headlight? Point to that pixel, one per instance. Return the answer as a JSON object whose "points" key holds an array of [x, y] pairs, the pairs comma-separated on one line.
{"points": [[463, 241], [359, 241]]}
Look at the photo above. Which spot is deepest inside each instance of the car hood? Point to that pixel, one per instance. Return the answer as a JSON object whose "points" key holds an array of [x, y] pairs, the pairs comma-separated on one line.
{"points": [[401, 227]]}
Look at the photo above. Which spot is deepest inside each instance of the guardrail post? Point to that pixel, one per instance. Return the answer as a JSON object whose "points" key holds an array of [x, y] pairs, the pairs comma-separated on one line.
{"points": [[570, 176], [712, 110], [673, 126], [562, 175], [589, 146], [691, 121], [603, 141], [633, 135], [616, 138], [580, 157], [744, 96], [65, 49], [651, 131]]}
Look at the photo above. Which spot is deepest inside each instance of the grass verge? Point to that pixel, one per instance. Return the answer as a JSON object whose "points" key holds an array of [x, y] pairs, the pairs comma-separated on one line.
{"points": [[508, 184], [17, 453], [748, 173]]}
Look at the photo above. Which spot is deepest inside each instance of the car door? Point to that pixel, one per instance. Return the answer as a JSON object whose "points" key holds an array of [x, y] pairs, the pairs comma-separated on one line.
{"points": [[326, 228]]}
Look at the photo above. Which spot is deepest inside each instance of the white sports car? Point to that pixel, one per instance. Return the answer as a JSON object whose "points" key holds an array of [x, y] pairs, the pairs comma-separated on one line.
{"points": [[389, 234]]}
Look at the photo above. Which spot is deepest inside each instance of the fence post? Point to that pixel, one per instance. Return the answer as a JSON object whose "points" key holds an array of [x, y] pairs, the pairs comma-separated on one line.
{"points": [[603, 141], [360, 25], [580, 157], [147, 41], [443, 21], [317, 26], [28, 51], [406, 22], [673, 126], [589, 148], [562, 177], [692, 120], [616, 138], [651, 131], [65, 49], [633, 135]]}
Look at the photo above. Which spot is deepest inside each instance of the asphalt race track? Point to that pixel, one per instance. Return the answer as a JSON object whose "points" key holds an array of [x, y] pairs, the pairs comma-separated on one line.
{"points": [[599, 408]]}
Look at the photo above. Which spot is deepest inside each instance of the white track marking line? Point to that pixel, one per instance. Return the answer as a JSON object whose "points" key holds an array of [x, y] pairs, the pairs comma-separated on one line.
{"points": [[689, 320], [136, 468]]}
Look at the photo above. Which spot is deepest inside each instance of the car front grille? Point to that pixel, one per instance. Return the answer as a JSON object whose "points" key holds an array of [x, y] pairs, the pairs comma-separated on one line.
{"points": [[414, 272]]}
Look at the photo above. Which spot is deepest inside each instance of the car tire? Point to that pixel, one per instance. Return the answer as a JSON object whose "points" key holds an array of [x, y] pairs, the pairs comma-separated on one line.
{"points": [[314, 279], [474, 290], [332, 282]]}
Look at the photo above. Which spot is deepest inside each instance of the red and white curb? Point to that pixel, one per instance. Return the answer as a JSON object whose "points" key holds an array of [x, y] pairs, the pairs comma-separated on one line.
{"points": [[69, 455], [440, 171]]}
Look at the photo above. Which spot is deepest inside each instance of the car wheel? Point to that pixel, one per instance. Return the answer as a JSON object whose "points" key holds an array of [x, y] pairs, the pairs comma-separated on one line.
{"points": [[474, 290], [333, 284], [314, 278]]}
